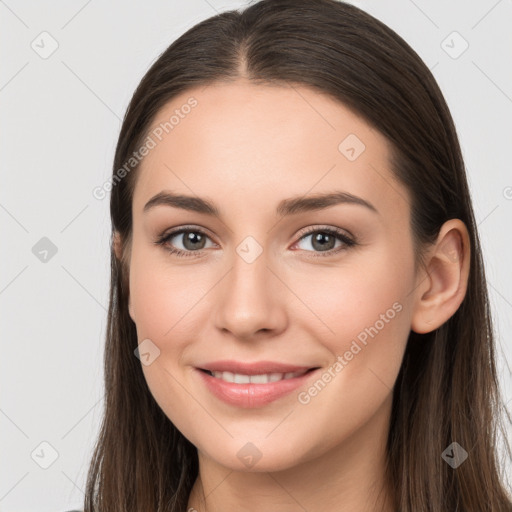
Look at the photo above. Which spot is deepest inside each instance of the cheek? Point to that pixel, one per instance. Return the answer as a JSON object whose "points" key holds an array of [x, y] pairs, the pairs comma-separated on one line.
{"points": [[361, 314], [348, 298], [163, 299], [162, 296]]}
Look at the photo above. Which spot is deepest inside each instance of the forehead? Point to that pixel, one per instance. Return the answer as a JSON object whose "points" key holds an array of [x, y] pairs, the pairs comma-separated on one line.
{"points": [[252, 145]]}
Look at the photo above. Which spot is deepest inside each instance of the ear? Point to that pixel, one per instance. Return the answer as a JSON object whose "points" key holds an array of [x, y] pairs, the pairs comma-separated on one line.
{"points": [[118, 250], [441, 289]]}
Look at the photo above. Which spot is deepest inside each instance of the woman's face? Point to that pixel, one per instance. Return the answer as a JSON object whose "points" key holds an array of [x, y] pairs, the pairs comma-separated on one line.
{"points": [[262, 280]]}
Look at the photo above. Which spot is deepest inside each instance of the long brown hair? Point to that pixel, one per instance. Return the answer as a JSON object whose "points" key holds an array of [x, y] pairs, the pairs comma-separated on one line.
{"points": [[447, 389]]}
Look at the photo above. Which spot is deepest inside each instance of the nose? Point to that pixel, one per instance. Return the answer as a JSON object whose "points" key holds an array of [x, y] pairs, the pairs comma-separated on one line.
{"points": [[250, 301]]}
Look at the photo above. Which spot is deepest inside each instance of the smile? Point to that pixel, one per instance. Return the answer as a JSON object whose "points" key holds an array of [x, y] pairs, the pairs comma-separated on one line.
{"points": [[254, 390]]}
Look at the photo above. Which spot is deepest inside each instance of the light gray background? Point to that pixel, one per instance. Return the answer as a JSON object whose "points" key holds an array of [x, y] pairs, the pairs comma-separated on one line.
{"points": [[61, 118]]}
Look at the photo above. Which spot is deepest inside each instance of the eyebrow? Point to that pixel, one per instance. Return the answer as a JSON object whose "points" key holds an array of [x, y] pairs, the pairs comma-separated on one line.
{"points": [[286, 207]]}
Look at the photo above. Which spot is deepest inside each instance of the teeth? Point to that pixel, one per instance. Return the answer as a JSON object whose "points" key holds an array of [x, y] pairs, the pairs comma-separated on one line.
{"points": [[239, 378]]}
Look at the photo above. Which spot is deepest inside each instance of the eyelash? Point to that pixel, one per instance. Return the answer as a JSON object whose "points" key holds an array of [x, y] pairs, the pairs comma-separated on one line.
{"points": [[338, 234]]}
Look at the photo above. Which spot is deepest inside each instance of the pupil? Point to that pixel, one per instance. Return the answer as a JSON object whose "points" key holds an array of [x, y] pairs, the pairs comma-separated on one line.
{"points": [[318, 240], [193, 239]]}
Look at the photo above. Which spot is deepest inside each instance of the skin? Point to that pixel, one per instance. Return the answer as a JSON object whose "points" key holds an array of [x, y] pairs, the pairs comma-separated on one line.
{"points": [[246, 147]]}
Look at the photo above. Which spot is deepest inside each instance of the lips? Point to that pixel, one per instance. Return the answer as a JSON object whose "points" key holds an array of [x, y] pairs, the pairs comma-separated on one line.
{"points": [[250, 385]]}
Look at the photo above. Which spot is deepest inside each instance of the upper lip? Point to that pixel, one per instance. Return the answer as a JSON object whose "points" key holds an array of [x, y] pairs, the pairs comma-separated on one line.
{"points": [[255, 368]]}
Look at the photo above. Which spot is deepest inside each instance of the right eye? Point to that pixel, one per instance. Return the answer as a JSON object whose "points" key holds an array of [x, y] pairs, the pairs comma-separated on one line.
{"points": [[191, 237]]}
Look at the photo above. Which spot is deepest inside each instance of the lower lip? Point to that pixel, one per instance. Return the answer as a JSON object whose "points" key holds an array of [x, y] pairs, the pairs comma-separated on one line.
{"points": [[252, 395]]}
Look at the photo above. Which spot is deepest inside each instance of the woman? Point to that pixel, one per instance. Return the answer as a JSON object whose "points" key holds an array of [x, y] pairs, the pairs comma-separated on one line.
{"points": [[298, 314]]}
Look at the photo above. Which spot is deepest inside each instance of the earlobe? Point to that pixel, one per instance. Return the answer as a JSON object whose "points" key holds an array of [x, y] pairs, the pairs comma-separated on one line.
{"points": [[116, 244], [443, 287], [118, 250], [130, 309]]}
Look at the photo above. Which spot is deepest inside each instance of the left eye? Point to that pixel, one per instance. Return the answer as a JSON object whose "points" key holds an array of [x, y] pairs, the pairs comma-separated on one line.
{"points": [[324, 240], [193, 240]]}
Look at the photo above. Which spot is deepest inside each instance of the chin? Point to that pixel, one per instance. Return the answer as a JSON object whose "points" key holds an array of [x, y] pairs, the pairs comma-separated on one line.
{"points": [[249, 457]]}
